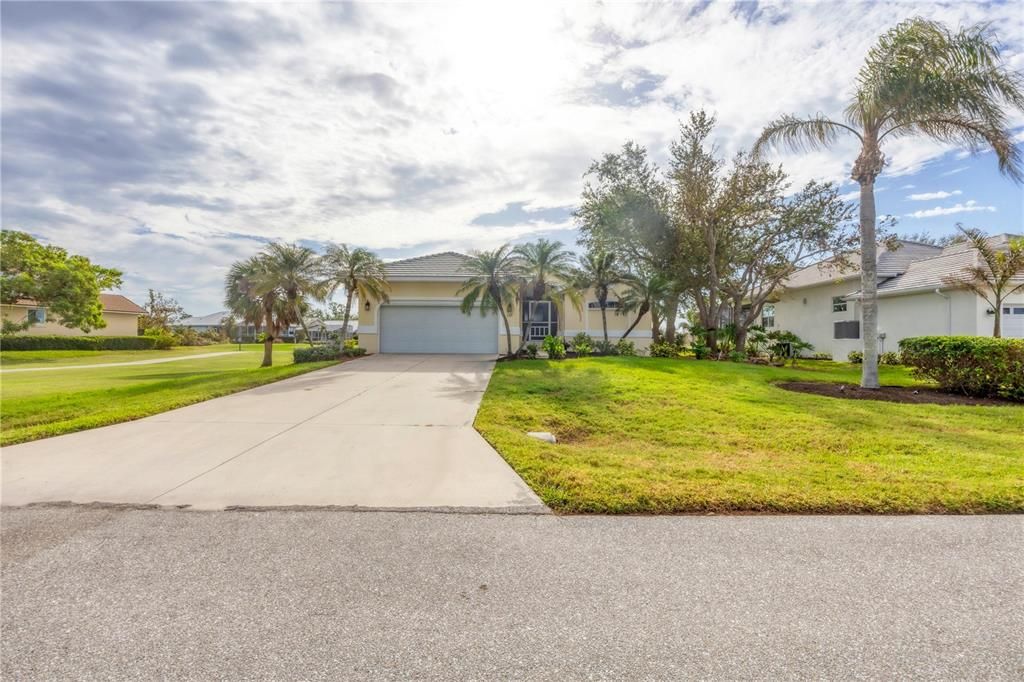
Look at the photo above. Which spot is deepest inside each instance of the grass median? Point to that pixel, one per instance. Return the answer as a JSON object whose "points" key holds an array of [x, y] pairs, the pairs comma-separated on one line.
{"points": [[39, 404]]}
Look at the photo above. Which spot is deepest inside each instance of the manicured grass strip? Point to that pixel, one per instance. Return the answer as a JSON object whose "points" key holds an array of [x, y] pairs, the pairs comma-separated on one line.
{"points": [[12, 359], [643, 435], [42, 404]]}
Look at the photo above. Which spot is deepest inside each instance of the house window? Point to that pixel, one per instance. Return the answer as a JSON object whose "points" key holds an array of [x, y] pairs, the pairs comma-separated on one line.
{"points": [[540, 320], [838, 304], [849, 329], [768, 316], [596, 305], [37, 315]]}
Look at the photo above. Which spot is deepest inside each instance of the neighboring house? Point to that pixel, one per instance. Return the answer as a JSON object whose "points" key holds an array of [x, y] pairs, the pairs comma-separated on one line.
{"points": [[120, 314], [321, 330], [423, 315], [213, 322], [821, 303]]}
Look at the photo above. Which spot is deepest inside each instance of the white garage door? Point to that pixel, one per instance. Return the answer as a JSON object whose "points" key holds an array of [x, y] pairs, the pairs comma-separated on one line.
{"points": [[1013, 321], [436, 329]]}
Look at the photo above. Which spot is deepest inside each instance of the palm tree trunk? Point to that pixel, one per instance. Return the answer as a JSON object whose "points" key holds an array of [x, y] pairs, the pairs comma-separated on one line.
{"points": [[643, 311], [604, 322], [655, 326], [868, 284], [268, 344], [508, 331], [305, 330], [997, 324], [348, 313]]}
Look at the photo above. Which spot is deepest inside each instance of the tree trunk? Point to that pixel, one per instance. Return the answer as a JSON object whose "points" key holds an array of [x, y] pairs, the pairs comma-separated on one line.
{"points": [[997, 323], [642, 311], [348, 314], [508, 332], [671, 310], [305, 330], [741, 338], [604, 320], [268, 344], [868, 284], [655, 326]]}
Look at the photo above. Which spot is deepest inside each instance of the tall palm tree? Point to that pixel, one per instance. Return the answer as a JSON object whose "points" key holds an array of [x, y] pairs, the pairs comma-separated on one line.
{"points": [[646, 292], [547, 275], [919, 79], [493, 283], [359, 272], [299, 273], [250, 293], [600, 271], [998, 274]]}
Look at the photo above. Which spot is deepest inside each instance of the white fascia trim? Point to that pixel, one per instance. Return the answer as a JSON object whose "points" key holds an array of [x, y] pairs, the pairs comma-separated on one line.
{"points": [[399, 278], [424, 299]]}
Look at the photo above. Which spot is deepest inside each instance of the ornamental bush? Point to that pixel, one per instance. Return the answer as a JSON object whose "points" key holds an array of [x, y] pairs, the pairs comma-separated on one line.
{"points": [[554, 347], [974, 365], [625, 348], [664, 349], [855, 357], [78, 343]]}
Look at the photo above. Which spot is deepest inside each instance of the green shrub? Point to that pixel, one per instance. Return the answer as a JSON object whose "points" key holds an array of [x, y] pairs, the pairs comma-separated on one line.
{"points": [[664, 349], [554, 347], [162, 339], [700, 350], [582, 338], [606, 347], [625, 348], [855, 356], [531, 351], [974, 365], [317, 353], [78, 343], [736, 356], [582, 349], [889, 358]]}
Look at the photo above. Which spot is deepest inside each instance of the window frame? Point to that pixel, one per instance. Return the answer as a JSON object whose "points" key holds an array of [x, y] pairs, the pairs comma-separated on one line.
{"points": [[839, 304]]}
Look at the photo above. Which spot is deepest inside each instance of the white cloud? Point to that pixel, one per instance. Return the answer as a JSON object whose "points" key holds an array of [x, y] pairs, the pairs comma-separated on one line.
{"points": [[395, 126], [929, 196], [967, 207]]}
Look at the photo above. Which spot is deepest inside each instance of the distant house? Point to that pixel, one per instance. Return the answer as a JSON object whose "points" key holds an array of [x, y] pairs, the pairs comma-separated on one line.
{"points": [[321, 330], [822, 303], [120, 314], [214, 322]]}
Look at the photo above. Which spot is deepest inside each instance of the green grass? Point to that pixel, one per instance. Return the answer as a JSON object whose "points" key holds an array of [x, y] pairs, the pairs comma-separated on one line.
{"points": [[42, 404], [11, 359], [643, 435]]}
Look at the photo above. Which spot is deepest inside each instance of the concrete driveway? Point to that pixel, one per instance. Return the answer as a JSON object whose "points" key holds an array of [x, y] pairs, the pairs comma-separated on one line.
{"points": [[387, 431]]}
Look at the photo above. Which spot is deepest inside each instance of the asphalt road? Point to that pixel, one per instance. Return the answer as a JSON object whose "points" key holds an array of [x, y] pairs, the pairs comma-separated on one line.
{"points": [[115, 594]]}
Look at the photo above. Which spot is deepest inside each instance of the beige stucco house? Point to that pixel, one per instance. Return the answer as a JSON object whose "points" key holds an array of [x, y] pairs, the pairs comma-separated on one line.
{"points": [[821, 303], [423, 314], [120, 314]]}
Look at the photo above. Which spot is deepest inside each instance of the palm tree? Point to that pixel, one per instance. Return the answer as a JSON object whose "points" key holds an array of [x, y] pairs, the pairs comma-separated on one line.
{"points": [[493, 282], [547, 272], [999, 274], [919, 79], [599, 270], [359, 272], [645, 292], [298, 272], [251, 294]]}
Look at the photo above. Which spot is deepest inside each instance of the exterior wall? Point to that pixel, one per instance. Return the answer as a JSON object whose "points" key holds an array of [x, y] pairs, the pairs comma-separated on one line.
{"points": [[915, 314], [446, 292], [118, 324]]}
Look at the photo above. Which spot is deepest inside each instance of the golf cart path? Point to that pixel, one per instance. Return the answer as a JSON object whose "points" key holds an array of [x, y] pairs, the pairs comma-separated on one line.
{"points": [[197, 356]]}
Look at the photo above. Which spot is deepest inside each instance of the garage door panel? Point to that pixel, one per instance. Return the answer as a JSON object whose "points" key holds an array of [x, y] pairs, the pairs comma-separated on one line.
{"points": [[436, 329]]}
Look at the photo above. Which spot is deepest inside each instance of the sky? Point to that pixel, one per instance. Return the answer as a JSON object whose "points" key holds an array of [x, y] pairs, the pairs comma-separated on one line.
{"points": [[171, 139]]}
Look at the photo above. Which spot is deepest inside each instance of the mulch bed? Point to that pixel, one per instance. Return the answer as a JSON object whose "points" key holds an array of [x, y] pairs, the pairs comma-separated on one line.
{"points": [[892, 394]]}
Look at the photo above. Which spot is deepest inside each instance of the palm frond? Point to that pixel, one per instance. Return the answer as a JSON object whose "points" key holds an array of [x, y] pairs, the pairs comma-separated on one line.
{"points": [[800, 134]]}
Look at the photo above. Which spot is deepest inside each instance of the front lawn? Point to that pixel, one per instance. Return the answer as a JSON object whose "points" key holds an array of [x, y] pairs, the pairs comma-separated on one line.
{"points": [[645, 435], [55, 401]]}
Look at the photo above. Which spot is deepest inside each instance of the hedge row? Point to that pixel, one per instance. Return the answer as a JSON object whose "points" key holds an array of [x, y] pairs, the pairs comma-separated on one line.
{"points": [[78, 343], [325, 352], [974, 365]]}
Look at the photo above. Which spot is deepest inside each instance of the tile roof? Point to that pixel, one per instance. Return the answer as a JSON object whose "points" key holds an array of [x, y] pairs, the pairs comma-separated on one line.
{"points": [[447, 265], [890, 264], [929, 273]]}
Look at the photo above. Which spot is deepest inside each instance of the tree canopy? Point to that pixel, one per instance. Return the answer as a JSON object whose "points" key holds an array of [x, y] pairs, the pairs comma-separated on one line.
{"points": [[67, 285]]}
